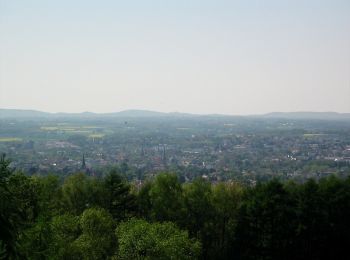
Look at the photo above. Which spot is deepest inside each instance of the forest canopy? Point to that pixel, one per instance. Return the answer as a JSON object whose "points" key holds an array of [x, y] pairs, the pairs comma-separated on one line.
{"points": [[84, 217]]}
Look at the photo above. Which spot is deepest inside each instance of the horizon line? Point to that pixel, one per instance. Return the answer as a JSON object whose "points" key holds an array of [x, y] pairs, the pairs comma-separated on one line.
{"points": [[172, 112]]}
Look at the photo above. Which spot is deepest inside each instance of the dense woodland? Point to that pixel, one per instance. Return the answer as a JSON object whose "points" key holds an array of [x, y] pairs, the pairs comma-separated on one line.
{"points": [[108, 218]]}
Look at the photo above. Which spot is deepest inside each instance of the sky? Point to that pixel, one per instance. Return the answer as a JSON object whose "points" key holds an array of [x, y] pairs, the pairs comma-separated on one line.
{"points": [[195, 56]]}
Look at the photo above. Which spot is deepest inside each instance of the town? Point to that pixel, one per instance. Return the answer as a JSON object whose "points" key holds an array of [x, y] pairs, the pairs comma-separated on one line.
{"points": [[218, 148]]}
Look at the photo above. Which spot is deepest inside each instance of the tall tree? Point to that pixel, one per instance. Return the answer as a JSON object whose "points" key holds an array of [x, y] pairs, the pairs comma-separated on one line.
{"points": [[25, 191], [167, 198], [10, 215], [267, 223], [226, 201], [144, 205], [97, 240], [119, 200], [336, 201], [199, 212]]}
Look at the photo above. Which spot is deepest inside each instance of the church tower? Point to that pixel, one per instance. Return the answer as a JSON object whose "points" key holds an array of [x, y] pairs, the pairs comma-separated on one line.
{"points": [[83, 165]]}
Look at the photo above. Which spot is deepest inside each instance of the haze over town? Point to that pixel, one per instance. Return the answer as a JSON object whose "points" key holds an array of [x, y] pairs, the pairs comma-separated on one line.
{"points": [[226, 57]]}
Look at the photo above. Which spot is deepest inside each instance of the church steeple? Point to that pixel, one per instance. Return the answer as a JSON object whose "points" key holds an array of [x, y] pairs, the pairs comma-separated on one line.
{"points": [[83, 165]]}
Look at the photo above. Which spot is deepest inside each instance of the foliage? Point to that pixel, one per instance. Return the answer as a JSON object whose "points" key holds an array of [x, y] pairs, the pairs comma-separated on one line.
{"points": [[65, 230], [97, 238], [139, 239], [80, 192], [49, 194], [35, 240], [166, 198]]}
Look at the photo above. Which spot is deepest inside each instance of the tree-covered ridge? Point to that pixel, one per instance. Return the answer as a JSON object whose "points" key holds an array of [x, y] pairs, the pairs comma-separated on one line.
{"points": [[108, 218]]}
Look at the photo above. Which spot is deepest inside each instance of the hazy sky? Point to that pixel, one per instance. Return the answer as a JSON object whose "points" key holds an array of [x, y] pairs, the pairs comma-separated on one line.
{"points": [[231, 57]]}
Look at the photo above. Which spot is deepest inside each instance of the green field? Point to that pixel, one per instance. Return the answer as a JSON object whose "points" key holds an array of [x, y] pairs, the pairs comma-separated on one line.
{"points": [[91, 131], [96, 135], [10, 139], [72, 129], [49, 128], [313, 135]]}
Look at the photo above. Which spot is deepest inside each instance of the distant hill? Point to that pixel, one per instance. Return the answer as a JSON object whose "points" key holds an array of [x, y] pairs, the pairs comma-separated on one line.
{"points": [[19, 113], [30, 114], [136, 113], [309, 115]]}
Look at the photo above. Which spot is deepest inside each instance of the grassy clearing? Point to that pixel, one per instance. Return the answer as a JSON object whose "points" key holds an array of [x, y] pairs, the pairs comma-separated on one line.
{"points": [[313, 135], [10, 139], [96, 135], [91, 127], [68, 128], [78, 131], [88, 130], [49, 128]]}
